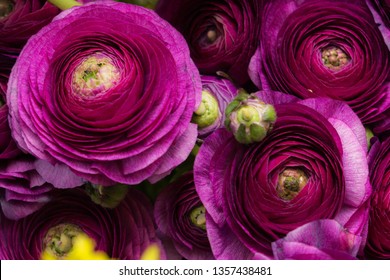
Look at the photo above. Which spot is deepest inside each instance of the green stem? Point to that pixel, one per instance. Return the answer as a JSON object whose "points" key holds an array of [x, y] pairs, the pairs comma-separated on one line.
{"points": [[65, 4]]}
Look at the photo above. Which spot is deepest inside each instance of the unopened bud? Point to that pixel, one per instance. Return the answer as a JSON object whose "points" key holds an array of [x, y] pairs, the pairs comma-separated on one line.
{"points": [[249, 118], [108, 197]]}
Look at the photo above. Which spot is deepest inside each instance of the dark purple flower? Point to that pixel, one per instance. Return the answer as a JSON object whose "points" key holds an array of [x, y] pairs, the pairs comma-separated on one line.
{"points": [[112, 99], [216, 95], [314, 48], [123, 232], [311, 166], [19, 20], [378, 240], [180, 216], [222, 35], [8, 147]]}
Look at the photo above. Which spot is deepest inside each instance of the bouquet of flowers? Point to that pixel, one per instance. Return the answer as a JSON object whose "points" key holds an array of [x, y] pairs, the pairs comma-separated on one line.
{"points": [[179, 129]]}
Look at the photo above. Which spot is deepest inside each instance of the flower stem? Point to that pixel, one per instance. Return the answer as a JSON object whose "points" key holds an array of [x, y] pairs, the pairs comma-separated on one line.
{"points": [[65, 4]]}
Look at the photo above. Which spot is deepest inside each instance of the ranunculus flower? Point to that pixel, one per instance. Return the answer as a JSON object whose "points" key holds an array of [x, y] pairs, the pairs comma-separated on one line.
{"points": [[8, 147], [26, 184], [381, 8], [378, 240], [109, 90], [222, 35], [311, 166], [216, 95], [19, 20], [314, 48], [322, 239], [180, 216], [123, 233]]}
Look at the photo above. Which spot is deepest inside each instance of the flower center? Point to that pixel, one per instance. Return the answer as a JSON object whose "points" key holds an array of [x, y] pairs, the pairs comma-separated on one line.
{"points": [[198, 217], [95, 75], [334, 58], [208, 37], [2, 101], [6, 7], [59, 239], [291, 182], [208, 110]]}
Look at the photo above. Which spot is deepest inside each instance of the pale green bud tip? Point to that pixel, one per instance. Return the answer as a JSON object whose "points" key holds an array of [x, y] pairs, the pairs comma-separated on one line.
{"points": [[6, 7], [208, 111], [249, 118], [334, 58], [369, 135], [94, 75], [108, 197], [59, 239], [291, 181], [65, 4], [198, 217]]}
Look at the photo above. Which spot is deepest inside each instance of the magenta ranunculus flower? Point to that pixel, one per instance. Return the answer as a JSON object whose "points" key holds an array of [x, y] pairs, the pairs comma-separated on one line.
{"points": [[378, 240], [108, 89], [222, 35], [311, 166], [19, 20], [8, 147], [314, 48], [181, 217], [123, 232], [320, 240], [217, 93]]}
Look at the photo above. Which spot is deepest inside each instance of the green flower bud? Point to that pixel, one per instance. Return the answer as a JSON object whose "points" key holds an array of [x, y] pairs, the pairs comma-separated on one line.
{"points": [[108, 197], [198, 217], [369, 135], [249, 118], [59, 239], [208, 111]]}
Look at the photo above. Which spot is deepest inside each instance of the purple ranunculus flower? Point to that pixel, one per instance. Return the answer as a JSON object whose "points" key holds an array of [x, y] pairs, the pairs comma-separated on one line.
{"points": [[222, 35], [381, 12], [217, 93], [322, 239], [26, 184], [378, 240], [311, 166], [180, 216], [123, 232], [112, 99], [314, 48], [19, 20], [22, 189], [8, 147]]}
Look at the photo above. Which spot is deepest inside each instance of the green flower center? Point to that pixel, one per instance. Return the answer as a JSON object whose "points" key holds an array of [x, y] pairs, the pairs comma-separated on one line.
{"points": [[6, 7], [198, 217], [291, 181], [59, 239], [334, 58], [2, 101], [95, 75]]}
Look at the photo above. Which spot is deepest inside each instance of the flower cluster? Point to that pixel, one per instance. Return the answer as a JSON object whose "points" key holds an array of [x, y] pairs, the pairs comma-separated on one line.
{"points": [[228, 129]]}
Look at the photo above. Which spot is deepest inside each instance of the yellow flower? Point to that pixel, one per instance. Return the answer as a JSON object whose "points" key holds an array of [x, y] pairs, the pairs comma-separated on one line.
{"points": [[151, 253], [83, 249]]}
